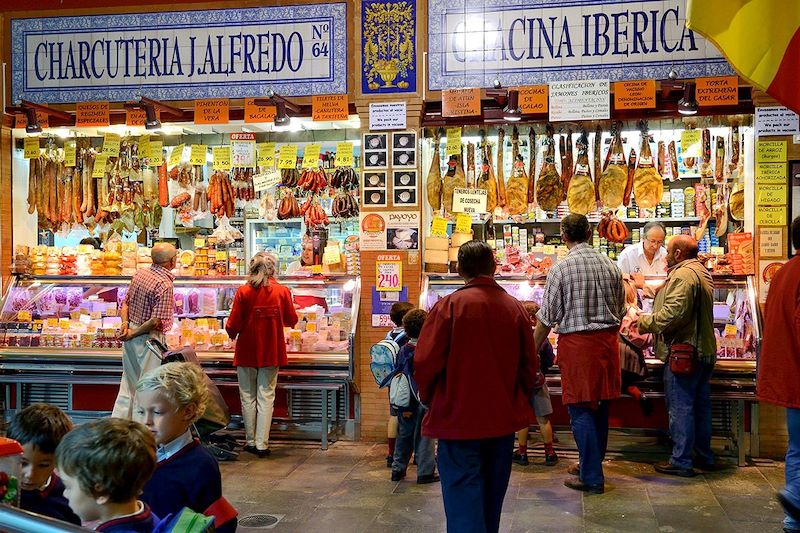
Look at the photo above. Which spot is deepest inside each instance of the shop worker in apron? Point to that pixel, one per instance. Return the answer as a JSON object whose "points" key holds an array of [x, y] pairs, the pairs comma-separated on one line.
{"points": [[585, 298], [147, 311]]}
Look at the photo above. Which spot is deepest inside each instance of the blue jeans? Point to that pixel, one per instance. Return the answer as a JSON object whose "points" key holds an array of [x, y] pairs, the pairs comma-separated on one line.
{"points": [[409, 438], [475, 476], [792, 490], [689, 404], [590, 429]]}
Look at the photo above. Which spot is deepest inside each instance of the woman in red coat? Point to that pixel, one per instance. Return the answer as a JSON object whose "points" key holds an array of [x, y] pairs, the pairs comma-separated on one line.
{"points": [[261, 309]]}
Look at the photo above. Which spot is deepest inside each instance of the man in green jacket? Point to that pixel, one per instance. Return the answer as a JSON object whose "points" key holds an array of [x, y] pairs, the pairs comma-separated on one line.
{"points": [[683, 313]]}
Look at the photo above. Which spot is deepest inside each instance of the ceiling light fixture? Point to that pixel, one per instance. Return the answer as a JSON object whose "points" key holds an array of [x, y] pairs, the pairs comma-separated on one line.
{"points": [[151, 121], [32, 125], [282, 107], [687, 105], [281, 116], [512, 112]]}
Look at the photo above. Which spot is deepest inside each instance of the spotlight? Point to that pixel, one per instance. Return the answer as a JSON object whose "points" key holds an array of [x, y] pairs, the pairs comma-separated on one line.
{"points": [[281, 116], [512, 111], [151, 118], [673, 74], [496, 84], [688, 104], [33, 125]]}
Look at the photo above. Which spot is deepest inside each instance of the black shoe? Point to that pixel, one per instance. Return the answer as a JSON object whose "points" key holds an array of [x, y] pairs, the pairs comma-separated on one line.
{"points": [[430, 478], [520, 459], [389, 461], [672, 470], [708, 467], [551, 460], [646, 404], [398, 475], [788, 506], [574, 469], [255, 451], [576, 484]]}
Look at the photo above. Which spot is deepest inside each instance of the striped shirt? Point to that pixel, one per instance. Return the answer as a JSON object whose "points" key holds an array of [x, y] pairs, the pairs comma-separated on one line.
{"points": [[150, 296], [584, 292]]}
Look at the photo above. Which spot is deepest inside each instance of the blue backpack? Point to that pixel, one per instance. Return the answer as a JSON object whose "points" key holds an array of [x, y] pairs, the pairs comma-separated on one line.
{"points": [[383, 354]]}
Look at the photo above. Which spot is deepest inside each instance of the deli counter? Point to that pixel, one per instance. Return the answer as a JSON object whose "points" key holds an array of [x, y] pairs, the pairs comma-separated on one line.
{"points": [[58, 344]]}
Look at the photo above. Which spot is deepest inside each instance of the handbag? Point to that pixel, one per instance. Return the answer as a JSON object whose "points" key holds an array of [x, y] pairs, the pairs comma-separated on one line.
{"points": [[683, 357]]}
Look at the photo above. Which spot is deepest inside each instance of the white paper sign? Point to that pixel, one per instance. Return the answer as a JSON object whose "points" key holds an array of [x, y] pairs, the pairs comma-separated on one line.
{"points": [[776, 121], [469, 201], [579, 100], [387, 116], [262, 182], [243, 153]]}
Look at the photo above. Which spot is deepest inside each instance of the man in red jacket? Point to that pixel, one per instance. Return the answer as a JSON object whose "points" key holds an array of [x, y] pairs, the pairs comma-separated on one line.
{"points": [[476, 368], [779, 368]]}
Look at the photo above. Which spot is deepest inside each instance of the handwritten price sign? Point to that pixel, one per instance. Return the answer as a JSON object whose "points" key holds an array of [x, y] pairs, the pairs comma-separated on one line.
{"points": [[389, 273]]}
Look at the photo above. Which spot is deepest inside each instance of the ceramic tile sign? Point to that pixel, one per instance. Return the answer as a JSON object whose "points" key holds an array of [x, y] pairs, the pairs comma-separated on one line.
{"points": [[776, 121], [579, 100], [388, 46], [387, 116], [295, 50]]}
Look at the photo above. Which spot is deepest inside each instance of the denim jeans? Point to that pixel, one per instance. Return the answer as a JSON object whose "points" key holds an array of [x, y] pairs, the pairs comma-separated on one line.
{"points": [[409, 438], [590, 429], [689, 404], [792, 490], [475, 476]]}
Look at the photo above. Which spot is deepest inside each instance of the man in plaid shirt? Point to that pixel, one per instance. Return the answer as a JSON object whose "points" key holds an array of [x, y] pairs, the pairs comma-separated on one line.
{"points": [[584, 296], [147, 312]]}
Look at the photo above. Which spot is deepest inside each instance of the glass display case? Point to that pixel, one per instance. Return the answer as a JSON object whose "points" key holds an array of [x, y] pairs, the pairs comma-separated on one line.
{"points": [[283, 238]]}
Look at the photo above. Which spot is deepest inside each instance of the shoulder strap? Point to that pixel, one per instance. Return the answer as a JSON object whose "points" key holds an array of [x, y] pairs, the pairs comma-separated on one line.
{"points": [[696, 308]]}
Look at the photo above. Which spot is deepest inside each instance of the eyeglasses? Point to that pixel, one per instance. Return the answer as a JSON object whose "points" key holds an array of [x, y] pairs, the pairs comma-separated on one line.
{"points": [[654, 242]]}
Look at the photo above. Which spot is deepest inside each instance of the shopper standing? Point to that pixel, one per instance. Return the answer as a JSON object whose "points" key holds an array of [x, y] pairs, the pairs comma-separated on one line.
{"points": [[779, 368], [683, 314], [261, 309], [476, 368], [147, 312], [585, 298]]}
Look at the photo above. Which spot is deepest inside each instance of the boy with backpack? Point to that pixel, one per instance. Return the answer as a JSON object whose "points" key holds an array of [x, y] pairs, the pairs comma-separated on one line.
{"points": [[404, 398]]}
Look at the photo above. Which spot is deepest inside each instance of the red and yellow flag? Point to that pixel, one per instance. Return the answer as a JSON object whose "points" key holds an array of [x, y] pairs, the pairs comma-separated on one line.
{"points": [[759, 38]]}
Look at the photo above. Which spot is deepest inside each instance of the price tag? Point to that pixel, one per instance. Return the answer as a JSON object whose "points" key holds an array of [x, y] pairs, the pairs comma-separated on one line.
{"points": [[198, 154], [155, 153], [96, 315], [176, 155], [111, 144], [74, 315], [463, 223], [84, 311], [439, 227], [691, 143], [717, 250], [63, 323], [730, 330], [222, 157], [266, 155], [221, 255], [144, 145], [201, 322], [287, 157], [31, 147], [100, 162], [548, 249], [331, 257], [311, 156], [389, 276], [52, 322], [70, 154], [24, 316], [316, 269], [199, 242], [771, 151], [344, 154], [453, 146], [111, 312], [267, 180]]}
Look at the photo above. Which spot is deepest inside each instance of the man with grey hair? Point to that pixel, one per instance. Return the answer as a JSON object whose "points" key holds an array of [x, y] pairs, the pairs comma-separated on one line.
{"points": [[648, 257], [147, 311]]}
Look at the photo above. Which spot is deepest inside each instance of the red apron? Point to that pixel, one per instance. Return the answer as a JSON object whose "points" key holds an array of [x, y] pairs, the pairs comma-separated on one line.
{"points": [[589, 366]]}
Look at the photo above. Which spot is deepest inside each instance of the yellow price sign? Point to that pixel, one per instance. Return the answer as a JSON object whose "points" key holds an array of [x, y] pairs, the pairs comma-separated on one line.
{"points": [[70, 154], [176, 155], [100, 162], [199, 242], [691, 144], [453, 146], [24, 316], [222, 157], [96, 315], [439, 227], [311, 156], [316, 269], [143, 146], [52, 322], [198, 154], [770, 151], [63, 323], [331, 257], [770, 216], [155, 153], [463, 223], [201, 322], [111, 144], [344, 154], [548, 249], [266, 155], [221, 255], [287, 157], [730, 330], [769, 194], [771, 173], [31, 147]]}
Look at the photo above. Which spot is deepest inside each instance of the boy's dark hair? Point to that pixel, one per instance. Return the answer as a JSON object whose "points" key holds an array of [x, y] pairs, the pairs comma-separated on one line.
{"points": [[41, 425], [576, 228], [532, 308], [398, 311], [475, 258], [796, 233], [110, 457], [413, 322]]}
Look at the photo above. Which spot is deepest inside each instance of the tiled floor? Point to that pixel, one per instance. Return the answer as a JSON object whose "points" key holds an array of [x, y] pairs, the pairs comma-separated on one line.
{"points": [[347, 489]]}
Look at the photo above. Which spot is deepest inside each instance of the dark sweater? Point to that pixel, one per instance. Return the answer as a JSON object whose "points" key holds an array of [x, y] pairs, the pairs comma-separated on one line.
{"points": [[49, 502], [143, 522]]}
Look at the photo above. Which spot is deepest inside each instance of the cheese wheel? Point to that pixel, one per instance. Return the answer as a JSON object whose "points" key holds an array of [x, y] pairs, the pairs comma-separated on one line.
{"points": [[460, 238], [436, 256], [453, 254], [437, 243]]}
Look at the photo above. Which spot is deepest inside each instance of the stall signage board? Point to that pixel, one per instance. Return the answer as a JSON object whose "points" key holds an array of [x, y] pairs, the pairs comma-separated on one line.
{"points": [[453, 146], [387, 116], [197, 155], [528, 43], [771, 173], [722, 90], [579, 100], [329, 107], [176, 155], [770, 151], [31, 145], [266, 154], [155, 154], [344, 154], [389, 272], [267, 180], [771, 194], [770, 215], [776, 120], [772, 242], [211, 111], [469, 201], [311, 156], [691, 144], [295, 50], [461, 102], [254, 114], [222, 157], [287, 156], [70, 153], [89, 114], [389, 230], [533, 99], [382, 302], [639, 94]]}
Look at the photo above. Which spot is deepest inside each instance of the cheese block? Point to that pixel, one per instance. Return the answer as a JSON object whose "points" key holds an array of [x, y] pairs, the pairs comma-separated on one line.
{"points": [[437, 243], [453, 254], [460, 238], [435, 256]]}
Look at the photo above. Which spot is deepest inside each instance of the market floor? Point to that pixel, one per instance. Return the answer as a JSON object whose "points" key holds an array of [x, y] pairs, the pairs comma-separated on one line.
{"points": [[347, 489]]}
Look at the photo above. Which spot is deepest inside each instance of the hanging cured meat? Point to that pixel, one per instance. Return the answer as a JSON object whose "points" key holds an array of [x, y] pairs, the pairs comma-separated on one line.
{"points": [[626, 200], [565, 144], [453, 179], [531, 166], [517, 191], [501, 181], [673, 161], [647, 183], [721, 209], [614, 178], [581, 197], [705, 167], [736, 202], [719, 160], [434, 184], [486, 180], [470, 165], [549, 189]]}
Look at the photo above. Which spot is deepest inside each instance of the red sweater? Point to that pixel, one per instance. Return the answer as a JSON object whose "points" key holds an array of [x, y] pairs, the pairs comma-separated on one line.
{"points": [[779, 365], [475, 364], [258, 317]]}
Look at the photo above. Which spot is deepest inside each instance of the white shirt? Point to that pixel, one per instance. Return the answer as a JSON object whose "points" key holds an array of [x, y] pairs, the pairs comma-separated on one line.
{"points": [[171, 448], [633, 261]]}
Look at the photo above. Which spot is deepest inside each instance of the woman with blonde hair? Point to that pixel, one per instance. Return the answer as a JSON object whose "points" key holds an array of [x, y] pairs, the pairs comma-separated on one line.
{"points": [[261, 309]]}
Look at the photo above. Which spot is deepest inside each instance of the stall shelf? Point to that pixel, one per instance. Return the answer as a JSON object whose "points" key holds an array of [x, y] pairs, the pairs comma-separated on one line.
{"points": [[57, 344]]}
